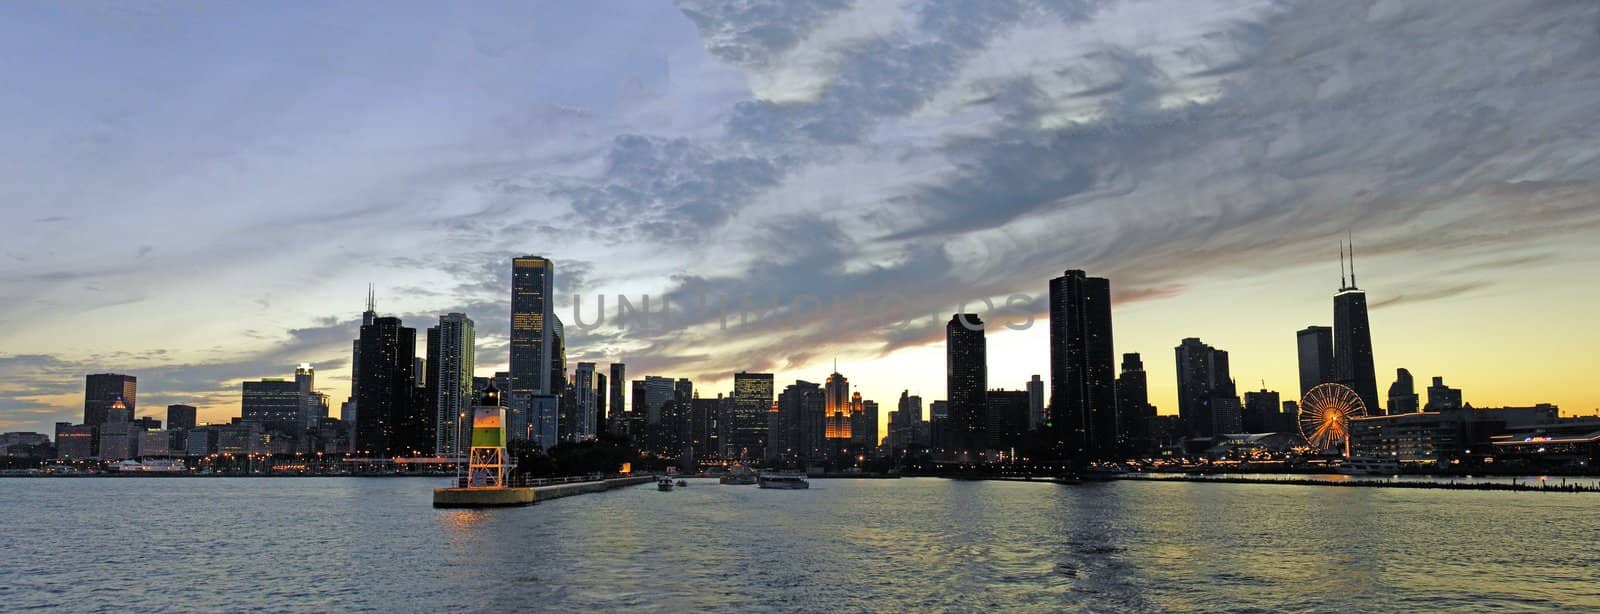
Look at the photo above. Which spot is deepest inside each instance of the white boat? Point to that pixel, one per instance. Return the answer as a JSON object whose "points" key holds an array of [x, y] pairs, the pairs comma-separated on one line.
{"points": [[782, 481], [154, 465], [664, 483]]}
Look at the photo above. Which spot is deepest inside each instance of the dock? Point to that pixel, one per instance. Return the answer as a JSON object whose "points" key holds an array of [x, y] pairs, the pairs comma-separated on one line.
{"points": [[516, 496]]}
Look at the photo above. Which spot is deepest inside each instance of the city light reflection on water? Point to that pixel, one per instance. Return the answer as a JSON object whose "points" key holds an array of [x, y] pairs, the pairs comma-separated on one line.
{"points": [[912, 544]]}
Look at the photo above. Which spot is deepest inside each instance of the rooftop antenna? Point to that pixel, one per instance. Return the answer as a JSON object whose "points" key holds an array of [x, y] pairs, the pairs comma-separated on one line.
{"points": [[1352, 260], [1342, 284], [372, 300]]}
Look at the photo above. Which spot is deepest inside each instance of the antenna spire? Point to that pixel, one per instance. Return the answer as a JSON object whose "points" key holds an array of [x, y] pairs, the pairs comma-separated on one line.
{"points": [[1352, 260], [372, 299], [1342, 284]]}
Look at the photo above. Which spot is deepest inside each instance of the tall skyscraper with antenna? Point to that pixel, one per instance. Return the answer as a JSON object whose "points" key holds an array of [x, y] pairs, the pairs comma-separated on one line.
{"points": [[1352, 336]]}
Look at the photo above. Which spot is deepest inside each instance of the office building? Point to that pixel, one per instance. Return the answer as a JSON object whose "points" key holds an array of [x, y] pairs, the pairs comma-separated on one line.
{"points": [[966, 383], [1315, 349], [1262, 411], [452, 361], [102, 389], [837, 410], [1442, 397], [748, 418], [1403, 397], [274, 403], [1006, 419], [1083, 389], [1134, 410], [532, 313], [1036, 405], [657, 392], [584, 396], [1352, 342], [180, 417], [388, 424], [74, 442], [618, 405], [1207, 399]]}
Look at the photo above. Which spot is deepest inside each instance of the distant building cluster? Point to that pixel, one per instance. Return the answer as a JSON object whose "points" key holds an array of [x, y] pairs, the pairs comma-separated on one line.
{"points": [[1090, 412]]}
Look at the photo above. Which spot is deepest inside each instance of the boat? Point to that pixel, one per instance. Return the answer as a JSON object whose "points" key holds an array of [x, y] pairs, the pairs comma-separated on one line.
{"points": [[664, 483], [683, 483], [739, 476], [782, 481], [154, 465]]}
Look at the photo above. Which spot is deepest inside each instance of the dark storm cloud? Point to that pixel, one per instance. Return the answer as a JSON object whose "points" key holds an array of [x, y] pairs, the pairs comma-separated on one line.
{"points": [[668, 190]]}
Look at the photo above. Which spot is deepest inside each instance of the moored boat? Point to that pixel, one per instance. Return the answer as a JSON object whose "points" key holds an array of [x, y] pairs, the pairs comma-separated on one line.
{"points": [[780, 481]]}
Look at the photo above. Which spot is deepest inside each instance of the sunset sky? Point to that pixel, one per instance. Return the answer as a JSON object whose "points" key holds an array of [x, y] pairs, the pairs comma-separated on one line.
{"points": [[198, 193]]}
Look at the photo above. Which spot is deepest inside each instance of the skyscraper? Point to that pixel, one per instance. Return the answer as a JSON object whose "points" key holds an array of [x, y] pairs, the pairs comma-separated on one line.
{"points": [[1352, 342], [747, 423], [584, 394], [658, 391], [602, 392], [532, 311], [1006, 419], [451, 374], [864, 426], [1035, 403], [800, 423], [102, 389], [1083, 389], [274, 403], [966, 384], [1207, 401], [315, 403], [349, 412], [1261, 411], [387, 423], [180, 417], [618, 404], [1315, 345], [1442, 397], [1133, 404], [1403, 394], [837, 408]]}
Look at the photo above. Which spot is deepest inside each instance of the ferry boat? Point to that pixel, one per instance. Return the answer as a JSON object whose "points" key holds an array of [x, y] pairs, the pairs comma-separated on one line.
{"points": [[664, 483], [154, 465], [783, 481]]}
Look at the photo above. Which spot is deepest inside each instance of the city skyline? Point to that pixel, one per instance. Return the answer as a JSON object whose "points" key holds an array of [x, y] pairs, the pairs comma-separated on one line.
{"points": [[789, 182]]}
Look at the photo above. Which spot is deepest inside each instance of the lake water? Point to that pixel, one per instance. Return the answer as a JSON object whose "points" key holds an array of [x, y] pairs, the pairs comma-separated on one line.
{"points": [[376, 544]]}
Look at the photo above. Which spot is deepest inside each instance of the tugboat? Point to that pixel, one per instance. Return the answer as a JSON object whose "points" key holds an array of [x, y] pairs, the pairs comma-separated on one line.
{"points": [[664, 483], [780, 481]]}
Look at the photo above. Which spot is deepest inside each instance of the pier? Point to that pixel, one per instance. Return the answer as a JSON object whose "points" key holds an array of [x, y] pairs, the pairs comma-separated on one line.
{"points": [[535, 492]]}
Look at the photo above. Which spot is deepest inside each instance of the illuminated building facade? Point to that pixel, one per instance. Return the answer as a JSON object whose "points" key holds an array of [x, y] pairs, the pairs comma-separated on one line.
{"points": [[274, 403], [532, 310], [837, 409]]}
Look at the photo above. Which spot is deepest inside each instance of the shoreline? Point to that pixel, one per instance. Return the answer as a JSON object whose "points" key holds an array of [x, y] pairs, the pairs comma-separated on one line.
{"points": [[1354, 482]]}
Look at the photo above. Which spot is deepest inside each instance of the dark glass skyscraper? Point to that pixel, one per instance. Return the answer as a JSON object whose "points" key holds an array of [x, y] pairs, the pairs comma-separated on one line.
{"points": [[618, 404], [1083, 388], [1315, 349], [747, 425], [102, 389], [532, 311], [1133, 405], [1207, 400], [1403, 397], [1352, 342], [388, 424], [966, 384]]}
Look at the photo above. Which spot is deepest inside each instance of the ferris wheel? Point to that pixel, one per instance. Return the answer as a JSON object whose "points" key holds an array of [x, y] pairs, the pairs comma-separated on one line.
{"points": [[1325, 415]]}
